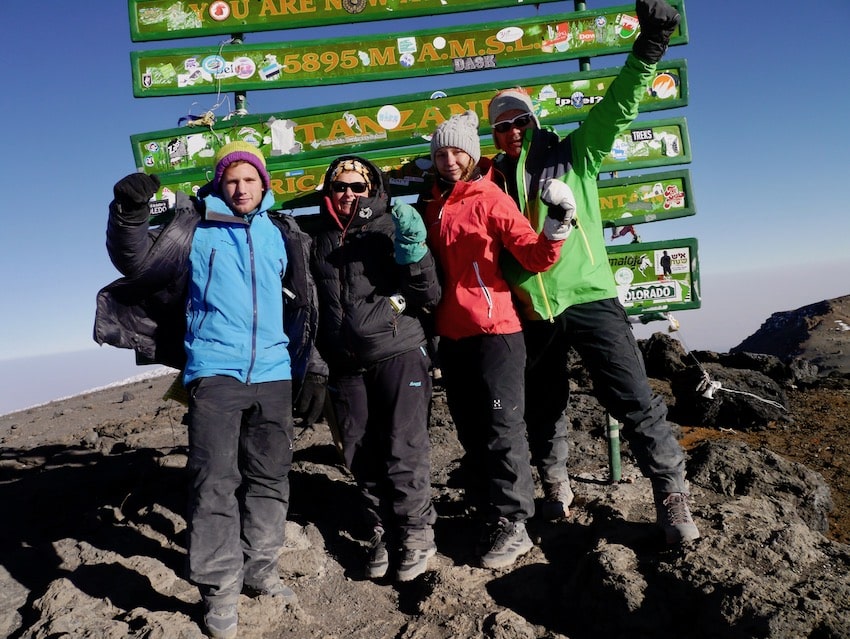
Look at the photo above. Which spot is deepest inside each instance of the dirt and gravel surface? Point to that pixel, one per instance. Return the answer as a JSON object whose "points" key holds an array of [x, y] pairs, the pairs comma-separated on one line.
{"points": [[93, 491], [817, 437]]}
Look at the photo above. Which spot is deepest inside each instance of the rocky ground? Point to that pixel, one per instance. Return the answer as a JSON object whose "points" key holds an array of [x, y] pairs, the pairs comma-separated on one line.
{"points": [[93, 490]]}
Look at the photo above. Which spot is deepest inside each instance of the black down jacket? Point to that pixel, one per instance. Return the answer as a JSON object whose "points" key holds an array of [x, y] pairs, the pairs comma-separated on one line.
{"points": [[356, 274], [146, 309]]}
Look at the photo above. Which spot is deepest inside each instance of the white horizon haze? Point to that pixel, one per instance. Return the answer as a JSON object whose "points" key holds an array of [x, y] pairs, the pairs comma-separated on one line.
{"points": [[735, 305]]}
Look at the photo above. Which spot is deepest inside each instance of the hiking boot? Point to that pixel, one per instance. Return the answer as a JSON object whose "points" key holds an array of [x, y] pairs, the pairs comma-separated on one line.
{"points": [[509, 542], [556, 504], [274, 588], [221, 622], [379, 557], [414, 561], [674, 516]]}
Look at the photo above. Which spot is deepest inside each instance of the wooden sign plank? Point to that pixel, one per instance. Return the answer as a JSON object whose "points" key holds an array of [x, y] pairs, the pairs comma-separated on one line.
{"points": [[167, 19], [402, 120], [656, 276], [295, 181], [362, 58], [650, 197]]}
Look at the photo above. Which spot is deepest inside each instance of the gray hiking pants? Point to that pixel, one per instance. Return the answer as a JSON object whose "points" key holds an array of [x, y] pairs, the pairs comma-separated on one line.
{"points": [[601, 334], [240, 453]]}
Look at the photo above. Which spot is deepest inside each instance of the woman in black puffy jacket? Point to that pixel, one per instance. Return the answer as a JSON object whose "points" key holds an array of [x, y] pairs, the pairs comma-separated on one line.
{"points": [[376, 282]]}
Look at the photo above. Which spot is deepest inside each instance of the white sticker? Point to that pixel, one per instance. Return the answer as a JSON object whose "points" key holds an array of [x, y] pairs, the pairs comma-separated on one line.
{"points": [[624, 276], [406, 45], [547, 92], [244, 67], [389, 117], [219, 10], [509, 34], [439, 43]]}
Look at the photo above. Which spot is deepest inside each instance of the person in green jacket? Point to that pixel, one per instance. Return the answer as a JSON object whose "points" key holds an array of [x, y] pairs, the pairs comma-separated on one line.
{"points": [[575, 303]]}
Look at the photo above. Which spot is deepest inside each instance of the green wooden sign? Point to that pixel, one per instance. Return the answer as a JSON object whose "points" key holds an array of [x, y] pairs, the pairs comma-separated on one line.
{"points": [[361, 58], [392, 121], [169, 19], [650, 144], [294, 181], [656, 276], [646, 198]]}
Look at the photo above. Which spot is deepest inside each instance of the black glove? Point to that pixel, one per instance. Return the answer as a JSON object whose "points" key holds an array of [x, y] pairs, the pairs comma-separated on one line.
{"points": [[311, 398], [657, 20], [134, 191]]}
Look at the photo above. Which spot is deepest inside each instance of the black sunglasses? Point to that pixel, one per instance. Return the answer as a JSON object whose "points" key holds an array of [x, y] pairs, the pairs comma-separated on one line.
{"points": [[356, 187], [520, 121]]}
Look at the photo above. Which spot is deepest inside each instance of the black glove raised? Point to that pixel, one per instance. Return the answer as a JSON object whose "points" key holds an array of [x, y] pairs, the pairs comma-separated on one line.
{"points": [[311, 398], [657, 20], [136, 189]]}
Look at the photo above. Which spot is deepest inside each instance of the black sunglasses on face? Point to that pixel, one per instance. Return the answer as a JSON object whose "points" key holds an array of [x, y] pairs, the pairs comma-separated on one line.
{"points": [[356, 187], [520, 122]]}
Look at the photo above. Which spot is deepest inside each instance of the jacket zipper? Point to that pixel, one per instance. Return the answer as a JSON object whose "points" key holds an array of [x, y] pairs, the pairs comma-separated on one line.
{"points": [[207, 289], [522, 196], [485, 290], [254, 304]]}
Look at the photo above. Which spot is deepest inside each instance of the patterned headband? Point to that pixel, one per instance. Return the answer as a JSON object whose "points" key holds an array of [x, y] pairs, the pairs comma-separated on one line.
{"points": [[356, 167]]}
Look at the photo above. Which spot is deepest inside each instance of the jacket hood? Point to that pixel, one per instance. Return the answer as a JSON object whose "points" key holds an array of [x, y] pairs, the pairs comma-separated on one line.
{"points": [[366, 207]]}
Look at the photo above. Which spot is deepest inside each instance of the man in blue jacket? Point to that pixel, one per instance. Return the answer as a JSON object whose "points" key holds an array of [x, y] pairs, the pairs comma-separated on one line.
{"points": [[222, 259]]}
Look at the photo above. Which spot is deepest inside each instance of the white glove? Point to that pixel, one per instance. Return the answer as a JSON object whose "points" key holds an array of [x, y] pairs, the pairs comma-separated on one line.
{"points": [[562, 209], [560, 196], [556, 230]]}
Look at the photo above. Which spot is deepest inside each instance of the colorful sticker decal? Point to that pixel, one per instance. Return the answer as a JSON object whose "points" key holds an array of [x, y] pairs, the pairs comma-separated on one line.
{"points": [[392, 121], [656, 276], [457, 49], [652, 144], [645, 198], [407, 169], [170, 19]]}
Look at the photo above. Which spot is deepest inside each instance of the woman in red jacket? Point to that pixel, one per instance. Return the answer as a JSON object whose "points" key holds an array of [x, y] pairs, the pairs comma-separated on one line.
{"points": [[469, 222]]}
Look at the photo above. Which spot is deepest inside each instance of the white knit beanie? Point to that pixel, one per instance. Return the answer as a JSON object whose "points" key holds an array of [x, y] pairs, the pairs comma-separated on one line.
{"points": [[461, 132]]}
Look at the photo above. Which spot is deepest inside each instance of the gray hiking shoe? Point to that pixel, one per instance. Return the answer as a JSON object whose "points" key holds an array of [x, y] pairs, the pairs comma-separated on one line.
{"points": [[674, 516], [559, 497], [414, 561], [509, 542], [221, 622], [379, 558], [274, 588]]}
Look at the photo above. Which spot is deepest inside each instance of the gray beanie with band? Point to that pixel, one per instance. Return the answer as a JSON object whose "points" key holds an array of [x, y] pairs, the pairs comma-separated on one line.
{"points": [[461, 132], [510, 100]]}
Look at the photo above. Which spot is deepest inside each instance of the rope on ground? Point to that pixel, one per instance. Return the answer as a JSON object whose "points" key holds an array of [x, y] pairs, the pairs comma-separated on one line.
{"points": [[707, 386]]}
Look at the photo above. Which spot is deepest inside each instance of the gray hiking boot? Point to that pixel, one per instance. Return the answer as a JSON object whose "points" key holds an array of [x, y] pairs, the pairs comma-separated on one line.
{"points": [[674, 516], [414, 561], [274, 588], [379, 558], [509, 542], [221, 621], [559, 497]]}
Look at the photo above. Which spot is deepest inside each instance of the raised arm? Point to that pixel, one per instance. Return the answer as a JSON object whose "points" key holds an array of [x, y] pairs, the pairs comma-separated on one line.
{"points": [[593, 140], [127, 237]]}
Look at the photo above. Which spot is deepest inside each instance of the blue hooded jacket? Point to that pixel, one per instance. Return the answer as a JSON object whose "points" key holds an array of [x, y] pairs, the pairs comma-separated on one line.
{"points": [[234, 311]]}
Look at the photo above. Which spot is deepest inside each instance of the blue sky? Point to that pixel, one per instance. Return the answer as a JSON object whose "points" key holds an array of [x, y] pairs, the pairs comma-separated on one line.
{"points": [[767, 120]]}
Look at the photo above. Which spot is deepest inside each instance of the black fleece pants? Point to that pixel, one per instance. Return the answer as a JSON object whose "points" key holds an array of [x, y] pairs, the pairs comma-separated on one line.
{"points": [[382, 414], [603, 337], [485, 391]]}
